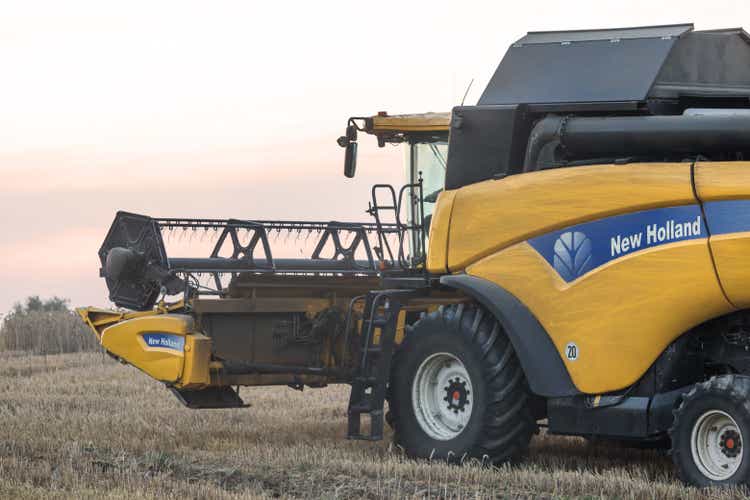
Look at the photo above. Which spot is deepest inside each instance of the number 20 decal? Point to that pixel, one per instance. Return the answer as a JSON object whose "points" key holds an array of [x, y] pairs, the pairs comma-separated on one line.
{"points": [[571, 351]]}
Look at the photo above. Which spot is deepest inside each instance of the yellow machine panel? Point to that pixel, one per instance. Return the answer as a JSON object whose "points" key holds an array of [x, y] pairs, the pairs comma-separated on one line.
{"points": [[722, 180], [196, 371], [724, 189], [437, 255], [599, 263], [164, 346], [492, 215], [616, 315]]}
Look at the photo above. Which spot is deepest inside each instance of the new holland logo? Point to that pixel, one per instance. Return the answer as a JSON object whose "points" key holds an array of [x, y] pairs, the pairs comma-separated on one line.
{"points": [[164, 341], [577, 250], [572, 255]]}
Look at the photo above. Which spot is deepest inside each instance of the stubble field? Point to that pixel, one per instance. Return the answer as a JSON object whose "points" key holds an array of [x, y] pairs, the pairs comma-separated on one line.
{"points": [[82, 426]]}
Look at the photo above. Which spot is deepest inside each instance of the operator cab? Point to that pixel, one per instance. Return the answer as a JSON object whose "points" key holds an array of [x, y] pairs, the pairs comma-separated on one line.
{"points": [[425, 140]]}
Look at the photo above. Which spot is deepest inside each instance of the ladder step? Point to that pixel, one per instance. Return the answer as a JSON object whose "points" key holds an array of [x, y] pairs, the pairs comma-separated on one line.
{"points": [[370, 381], [376, 427], [364, 407], [379, 322]]}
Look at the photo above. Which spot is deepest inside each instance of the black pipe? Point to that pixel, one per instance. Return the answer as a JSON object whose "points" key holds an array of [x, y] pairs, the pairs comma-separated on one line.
{"points": [[543, 141], [126, 264], [555, 139], [245, 368], [220, 264]]}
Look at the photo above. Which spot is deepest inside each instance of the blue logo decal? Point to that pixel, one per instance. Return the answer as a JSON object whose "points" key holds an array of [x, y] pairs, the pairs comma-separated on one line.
{"points": [[572, 255], [577, 250], [729, 216], [165, 341]]}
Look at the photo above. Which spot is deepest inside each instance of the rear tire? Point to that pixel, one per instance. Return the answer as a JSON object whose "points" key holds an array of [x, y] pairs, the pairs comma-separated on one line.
{"points": [[710, 433], [457, 390]]}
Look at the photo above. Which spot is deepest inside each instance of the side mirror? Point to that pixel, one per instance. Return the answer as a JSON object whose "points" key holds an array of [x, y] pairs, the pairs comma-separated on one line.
{"points": [[349, 141], [350, 160]]}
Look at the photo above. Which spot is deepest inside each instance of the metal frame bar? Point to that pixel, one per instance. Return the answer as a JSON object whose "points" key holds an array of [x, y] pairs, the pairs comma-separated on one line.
{"points": [[271, 225], [243, 258]]}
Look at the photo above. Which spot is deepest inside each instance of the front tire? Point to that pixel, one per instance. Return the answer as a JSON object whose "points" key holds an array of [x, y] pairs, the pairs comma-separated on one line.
{"points": [[457, 389], [710, 433]]}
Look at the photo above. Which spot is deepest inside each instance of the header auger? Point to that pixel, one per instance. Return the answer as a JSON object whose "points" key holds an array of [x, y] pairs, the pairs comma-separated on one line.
{"points": [[571, 251]]}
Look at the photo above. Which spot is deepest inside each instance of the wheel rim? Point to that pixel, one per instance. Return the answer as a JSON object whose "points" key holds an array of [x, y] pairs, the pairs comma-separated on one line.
{"points": [[716, 444], [442, 396]]}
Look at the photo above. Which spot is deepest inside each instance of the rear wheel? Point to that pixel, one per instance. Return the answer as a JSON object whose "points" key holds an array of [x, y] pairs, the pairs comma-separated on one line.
{"points": [[457, 389], [710, 432]]}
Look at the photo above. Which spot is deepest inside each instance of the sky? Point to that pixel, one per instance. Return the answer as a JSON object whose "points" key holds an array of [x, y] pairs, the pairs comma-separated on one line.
{"points": [[231, 109]]}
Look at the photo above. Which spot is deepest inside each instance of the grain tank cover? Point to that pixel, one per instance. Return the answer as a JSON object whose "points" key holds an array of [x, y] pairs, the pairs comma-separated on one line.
{"points": [[622, 67]]}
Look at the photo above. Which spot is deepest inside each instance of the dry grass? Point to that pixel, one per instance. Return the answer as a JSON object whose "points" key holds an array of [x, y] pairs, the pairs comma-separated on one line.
{"points": [[46, 332], [82, 426]]}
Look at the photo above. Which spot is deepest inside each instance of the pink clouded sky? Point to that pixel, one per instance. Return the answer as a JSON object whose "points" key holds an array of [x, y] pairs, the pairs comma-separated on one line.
{"points": [[231, 109]]}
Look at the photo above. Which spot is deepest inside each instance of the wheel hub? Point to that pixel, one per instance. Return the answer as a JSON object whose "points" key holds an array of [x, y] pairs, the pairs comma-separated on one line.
{"points": [[730, 443], [716, 445], [456, 395], [442, 396]]}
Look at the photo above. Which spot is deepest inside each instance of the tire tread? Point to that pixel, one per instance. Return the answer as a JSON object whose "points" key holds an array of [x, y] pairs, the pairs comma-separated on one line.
{"points": [[736, 390], [509, 424]]}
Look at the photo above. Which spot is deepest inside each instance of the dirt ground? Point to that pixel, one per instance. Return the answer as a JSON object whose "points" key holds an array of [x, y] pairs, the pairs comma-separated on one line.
{"points": [[83, 426]]}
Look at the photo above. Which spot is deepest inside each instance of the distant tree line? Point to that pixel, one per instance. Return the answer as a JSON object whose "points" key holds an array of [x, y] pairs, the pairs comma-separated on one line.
{"points": [[45, 326], [35, 303]]}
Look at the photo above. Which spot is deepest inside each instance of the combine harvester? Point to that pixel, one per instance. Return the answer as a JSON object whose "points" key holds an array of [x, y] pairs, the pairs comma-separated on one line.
{"points": [[586, 267]]}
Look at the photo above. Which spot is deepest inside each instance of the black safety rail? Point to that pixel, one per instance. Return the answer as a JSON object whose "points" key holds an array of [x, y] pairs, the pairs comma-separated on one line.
{"points": [[410, 231]]}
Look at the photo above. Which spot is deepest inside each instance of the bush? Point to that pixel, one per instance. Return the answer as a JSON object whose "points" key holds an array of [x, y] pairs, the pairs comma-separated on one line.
{"points": [[45, 327]]}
